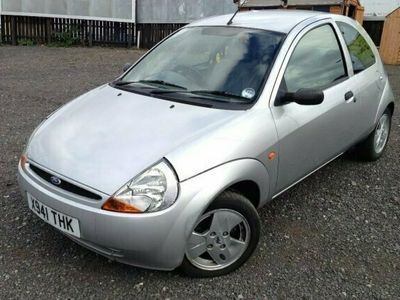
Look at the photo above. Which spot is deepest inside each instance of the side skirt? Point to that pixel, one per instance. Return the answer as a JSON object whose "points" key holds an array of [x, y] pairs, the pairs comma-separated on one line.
{"points": [[301, 179]]}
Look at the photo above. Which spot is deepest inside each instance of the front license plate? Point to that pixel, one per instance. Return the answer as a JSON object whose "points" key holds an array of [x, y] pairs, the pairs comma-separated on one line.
{"points": [[59, 220]]}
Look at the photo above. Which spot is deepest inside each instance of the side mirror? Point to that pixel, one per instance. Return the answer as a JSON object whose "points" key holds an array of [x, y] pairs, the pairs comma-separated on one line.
{"points": [[304, 97], [127, 66]]}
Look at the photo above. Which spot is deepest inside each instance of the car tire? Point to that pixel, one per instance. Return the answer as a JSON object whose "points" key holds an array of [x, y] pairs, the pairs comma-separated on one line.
{"points": [[373, 147], [231, 212]]}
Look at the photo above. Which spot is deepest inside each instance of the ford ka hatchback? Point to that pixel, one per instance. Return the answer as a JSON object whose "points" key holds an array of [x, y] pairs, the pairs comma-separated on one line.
{"points": [[166, 166]]}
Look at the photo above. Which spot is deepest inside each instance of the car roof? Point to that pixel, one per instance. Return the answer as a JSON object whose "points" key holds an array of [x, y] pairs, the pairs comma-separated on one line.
{"points": [[280, 20]]}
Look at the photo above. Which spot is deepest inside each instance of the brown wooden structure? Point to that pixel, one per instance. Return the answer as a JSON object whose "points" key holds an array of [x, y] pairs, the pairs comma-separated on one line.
{"points": [[351, 8], [390, 42]]}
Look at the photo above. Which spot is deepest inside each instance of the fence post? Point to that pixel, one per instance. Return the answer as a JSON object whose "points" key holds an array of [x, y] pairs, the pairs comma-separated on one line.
{"points": [[1, 28], [130, 35], [82, 30], [90, 33], [48, 30], [1, 24], [13, 30]]}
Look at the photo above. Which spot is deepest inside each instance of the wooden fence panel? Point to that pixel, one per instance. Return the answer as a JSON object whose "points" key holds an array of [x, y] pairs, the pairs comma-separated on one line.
{"points": [[19, 29], [151, 34]]}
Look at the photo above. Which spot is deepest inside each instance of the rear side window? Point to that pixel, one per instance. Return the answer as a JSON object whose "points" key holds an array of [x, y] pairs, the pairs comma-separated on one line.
{"points": [[362, 56], [317, 62]]}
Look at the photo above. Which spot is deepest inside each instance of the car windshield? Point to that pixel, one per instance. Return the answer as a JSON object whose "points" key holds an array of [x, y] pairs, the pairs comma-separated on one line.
{"points": [[220, 64]]}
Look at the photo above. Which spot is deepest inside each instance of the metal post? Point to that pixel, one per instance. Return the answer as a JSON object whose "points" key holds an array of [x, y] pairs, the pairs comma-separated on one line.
{"points": [[138, 39]]}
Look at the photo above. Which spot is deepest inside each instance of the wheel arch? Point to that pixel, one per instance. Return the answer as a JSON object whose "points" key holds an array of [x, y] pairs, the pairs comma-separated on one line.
{"points": [[387, 101], [242, 176], [249, 189], [391, 107]]}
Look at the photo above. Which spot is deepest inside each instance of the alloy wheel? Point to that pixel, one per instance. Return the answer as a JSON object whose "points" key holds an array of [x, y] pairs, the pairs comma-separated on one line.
{"points": [[219, 239]]}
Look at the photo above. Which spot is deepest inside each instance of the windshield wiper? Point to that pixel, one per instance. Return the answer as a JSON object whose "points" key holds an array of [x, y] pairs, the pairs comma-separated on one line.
{"points": [[220, 93], [160, 82], [202, 92]]}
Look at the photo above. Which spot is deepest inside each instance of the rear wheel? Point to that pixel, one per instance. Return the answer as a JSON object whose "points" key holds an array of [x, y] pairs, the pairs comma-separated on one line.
{"points": [[373, 147], [224, 237]]}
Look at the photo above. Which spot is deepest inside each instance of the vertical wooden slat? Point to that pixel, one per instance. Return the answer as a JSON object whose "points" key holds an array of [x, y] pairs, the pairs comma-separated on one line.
{"points": [[111, 31], [96, 30], [32, 25], [39, 30], [2, 31], [129, 34], [105, 32], [35, 29], [81, 31], [13, 30], [17, 25], [5, 27], [29, 25], [48, 30], [43, 39], [90, 33]]}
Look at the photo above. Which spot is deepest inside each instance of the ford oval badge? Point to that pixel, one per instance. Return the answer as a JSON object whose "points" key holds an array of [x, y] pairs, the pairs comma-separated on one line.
{"points": [[55, 180]]}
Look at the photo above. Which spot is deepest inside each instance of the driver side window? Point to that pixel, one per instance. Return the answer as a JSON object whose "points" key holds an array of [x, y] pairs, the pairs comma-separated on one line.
{"points": [[316, 63]]}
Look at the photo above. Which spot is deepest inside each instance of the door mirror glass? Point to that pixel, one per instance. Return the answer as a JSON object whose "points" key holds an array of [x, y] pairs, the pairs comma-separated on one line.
{"points": [[305, 97], [127, 66]]}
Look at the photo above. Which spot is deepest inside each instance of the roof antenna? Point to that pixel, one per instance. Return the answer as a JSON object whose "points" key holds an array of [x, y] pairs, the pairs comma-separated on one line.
{"points": [[240, 6], [285, 3]]}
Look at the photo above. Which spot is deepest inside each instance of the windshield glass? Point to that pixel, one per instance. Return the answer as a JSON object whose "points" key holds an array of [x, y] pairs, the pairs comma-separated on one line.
{"points": [[225, 64]]}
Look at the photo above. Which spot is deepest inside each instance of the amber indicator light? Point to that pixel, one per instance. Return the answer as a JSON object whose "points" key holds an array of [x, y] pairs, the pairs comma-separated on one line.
{"points": [[24, 161], [113, 204], [272, 155]]}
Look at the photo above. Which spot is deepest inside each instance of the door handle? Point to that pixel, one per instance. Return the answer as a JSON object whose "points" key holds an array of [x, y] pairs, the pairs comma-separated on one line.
{"points": [[349, 97]]}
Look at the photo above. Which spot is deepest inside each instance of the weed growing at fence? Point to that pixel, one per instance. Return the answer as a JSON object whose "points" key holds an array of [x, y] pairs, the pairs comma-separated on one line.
{"points": [[66, 38], [25, 42]]}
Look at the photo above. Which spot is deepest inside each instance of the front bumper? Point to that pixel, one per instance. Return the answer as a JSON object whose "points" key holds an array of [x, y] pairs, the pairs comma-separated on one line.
{"points": [[150, 240]]}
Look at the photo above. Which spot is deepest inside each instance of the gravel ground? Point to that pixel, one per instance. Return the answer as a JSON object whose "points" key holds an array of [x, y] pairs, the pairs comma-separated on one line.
{"points": [[335, 235]]}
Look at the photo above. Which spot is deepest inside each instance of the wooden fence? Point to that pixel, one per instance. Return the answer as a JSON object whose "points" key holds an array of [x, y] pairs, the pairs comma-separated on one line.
{"points": [[39, 30], [151, 34]]}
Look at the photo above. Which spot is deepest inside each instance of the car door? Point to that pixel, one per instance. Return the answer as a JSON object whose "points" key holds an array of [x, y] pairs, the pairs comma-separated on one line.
{"points": [[368, 78], [310, 136]]}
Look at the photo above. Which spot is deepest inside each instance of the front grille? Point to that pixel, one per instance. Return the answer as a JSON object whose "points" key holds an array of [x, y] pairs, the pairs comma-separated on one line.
{"points": [[65, 185]]}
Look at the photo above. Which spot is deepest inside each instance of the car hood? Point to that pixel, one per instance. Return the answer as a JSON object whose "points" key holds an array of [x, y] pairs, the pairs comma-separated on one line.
{"points": [[107, 136]]}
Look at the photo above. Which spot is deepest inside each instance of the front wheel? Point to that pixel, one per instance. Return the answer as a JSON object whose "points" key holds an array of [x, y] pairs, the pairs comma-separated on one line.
{"points": [[223, 238], [373, 147]]}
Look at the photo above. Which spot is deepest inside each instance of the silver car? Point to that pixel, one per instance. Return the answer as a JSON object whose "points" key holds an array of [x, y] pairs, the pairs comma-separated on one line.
{"points": [[166, 166]]}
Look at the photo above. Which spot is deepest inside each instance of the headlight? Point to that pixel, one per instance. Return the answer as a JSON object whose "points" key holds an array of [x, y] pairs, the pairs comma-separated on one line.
{"points": [[153, 190]]}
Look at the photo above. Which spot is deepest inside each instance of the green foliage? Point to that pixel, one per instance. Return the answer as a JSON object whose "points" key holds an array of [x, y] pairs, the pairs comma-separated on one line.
{"points": [[25, 42], [66, 38], [364, 53]]}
